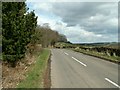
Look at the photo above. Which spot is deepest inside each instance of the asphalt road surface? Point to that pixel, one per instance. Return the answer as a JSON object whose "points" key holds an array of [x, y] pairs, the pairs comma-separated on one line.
{"points": [[71, 69]]}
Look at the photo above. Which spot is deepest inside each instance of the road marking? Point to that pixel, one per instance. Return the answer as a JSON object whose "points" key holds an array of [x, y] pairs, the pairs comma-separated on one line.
{"points": [[79, 62], [112, 82], [66, 53]]}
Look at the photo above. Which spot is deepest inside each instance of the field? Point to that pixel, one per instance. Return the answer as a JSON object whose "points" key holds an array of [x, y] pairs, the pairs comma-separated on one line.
{"points": [[107, 51]]}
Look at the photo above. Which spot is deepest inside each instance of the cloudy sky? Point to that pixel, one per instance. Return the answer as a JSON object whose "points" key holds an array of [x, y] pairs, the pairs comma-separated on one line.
{"points": [[81, 22]]}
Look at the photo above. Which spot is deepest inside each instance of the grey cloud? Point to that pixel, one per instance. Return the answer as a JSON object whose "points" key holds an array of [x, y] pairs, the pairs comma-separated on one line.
{"points": [[80, 10], [79, 13], [86, 21]]}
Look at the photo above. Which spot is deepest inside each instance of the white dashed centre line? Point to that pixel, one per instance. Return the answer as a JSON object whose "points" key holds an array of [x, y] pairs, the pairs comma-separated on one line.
{"points": [[66, 53], [79, 62], [112, 82]]}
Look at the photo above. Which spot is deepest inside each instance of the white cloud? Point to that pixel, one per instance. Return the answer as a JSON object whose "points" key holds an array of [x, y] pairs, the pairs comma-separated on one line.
{"points": [[73, 0], [78, 34], [80, 22], [42, 6], [113, 22]]}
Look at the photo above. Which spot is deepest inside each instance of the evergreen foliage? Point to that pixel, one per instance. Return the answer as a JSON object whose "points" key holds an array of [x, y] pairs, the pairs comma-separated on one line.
{"points": [[18, 29]]}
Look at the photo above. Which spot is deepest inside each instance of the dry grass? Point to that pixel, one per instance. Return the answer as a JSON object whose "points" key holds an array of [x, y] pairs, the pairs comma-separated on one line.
{"points": [[11, 77]]}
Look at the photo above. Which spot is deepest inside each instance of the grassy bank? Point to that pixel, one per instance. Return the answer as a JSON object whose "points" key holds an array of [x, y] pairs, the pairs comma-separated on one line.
{"points": [[35, 75], [99, 55], [0, 56]]}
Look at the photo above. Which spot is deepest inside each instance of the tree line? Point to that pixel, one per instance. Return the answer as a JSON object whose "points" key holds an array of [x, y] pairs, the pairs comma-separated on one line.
{"points": [[19, 29], [48, 37]]}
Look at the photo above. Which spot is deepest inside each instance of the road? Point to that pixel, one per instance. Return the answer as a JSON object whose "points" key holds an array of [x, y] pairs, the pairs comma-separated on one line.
{"points": [[71, 69]]}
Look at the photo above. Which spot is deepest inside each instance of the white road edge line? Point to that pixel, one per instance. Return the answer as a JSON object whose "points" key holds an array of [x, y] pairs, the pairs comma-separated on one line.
{"points": [[66, 53], [112, 82], [79, 62]]}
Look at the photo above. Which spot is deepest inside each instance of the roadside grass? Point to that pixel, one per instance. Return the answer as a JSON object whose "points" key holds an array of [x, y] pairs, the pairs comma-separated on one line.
{"points": [[35, 75], [0, 56], [99, 55], [0, 40]]}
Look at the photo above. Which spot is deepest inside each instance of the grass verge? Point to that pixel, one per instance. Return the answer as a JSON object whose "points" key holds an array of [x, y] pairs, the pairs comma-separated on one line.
{"points": [[35, 75], [100, 55], [0, 56]]}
